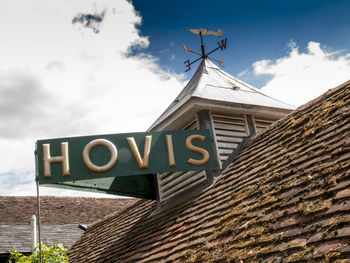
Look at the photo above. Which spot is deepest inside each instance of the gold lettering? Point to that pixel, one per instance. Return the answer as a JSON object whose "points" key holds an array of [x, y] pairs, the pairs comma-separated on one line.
{"points": [[96, 168], [196, 149], [142, 162], [48, 159], [170, 147]]}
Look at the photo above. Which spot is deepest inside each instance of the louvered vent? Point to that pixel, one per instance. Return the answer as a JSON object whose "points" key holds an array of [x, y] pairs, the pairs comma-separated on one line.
{"points": [[171, 185], [229, 132], [191, 126], [262, 124]]}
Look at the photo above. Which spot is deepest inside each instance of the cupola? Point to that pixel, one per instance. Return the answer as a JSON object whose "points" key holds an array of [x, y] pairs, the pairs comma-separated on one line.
{"points": [[231, 109]]}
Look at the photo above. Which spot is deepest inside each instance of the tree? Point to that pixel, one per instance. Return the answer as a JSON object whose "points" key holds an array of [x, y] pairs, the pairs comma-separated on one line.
{"points": [[53, 254]]}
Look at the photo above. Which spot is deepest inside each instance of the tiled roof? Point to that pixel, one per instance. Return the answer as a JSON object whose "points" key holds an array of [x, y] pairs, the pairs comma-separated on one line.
{"points": [[60, 218], [285, 198], [58, 210], [18, 237]]}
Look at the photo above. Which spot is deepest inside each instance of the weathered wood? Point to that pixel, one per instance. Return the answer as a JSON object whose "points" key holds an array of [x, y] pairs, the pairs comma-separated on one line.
{"points": [[222, 118], [259, 129], [225, 151], [235, 153], [184, 190], [205, 122], [192, 125], [173, 183], [183, 185], [261, 124], [251, 126], [231, 133], [231, 127], [166, 177], [263, 121], [223, 158], [229, 139], [227, 145]]}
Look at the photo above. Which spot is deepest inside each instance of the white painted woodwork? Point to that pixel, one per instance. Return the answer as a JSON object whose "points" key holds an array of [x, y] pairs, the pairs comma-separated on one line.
{"points": [[229, 132], [262, 124]]}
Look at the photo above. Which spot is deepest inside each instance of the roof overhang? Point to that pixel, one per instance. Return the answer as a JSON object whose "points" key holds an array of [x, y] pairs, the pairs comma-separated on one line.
{"points": [[185, 112]]}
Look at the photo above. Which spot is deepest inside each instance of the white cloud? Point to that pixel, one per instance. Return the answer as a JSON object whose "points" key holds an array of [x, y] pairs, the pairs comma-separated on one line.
{"points": [[59, 78], [301, 77]]}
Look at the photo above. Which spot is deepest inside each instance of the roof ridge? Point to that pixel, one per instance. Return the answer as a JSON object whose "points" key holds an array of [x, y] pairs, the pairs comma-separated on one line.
{"points": [[250, 87], [182, 92], [305, 106], [325, 95]]}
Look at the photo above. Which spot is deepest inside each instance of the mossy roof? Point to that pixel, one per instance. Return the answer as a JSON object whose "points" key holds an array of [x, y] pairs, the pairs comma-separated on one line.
{"points": [[285, 198]]}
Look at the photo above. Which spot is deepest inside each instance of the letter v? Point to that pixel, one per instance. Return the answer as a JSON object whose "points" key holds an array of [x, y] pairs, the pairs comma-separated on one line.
{"points": [[142, 162]]}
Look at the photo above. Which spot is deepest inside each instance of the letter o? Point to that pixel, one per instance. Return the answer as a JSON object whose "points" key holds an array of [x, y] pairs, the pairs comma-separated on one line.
{"points": [[112, 149]]}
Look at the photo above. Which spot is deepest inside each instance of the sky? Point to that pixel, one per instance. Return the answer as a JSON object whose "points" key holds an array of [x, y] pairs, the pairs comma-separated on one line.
{"points": [[83, 67]]}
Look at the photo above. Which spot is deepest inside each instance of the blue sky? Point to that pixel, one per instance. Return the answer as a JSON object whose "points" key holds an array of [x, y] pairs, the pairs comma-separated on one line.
{"points": [[88, 67], [255, 29]]}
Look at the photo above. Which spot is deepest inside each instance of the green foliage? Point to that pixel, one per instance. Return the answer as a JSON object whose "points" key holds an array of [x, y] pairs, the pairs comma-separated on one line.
{"points": [[53, 254]]}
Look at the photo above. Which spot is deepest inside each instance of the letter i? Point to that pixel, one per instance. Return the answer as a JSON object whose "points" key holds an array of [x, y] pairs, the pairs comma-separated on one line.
{"points": [[170, 147]]}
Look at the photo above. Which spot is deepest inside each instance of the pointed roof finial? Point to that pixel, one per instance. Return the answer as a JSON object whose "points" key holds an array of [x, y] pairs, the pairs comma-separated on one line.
{"points": [[205, 32]]}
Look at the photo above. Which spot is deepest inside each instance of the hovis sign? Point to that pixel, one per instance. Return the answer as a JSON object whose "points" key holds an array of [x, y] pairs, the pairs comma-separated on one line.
{"points": [[79, 161]]}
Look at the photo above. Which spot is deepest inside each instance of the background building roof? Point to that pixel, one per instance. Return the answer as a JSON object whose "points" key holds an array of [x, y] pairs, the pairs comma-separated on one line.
{"points": [[60, 218], [285, 198]]}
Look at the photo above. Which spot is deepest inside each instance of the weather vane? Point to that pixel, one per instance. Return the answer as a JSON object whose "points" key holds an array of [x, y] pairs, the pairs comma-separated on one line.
{"points": [[205, 32]]}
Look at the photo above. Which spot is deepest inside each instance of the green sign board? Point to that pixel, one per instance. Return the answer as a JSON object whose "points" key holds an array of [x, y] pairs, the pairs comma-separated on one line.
{"points": [[122, 163]]}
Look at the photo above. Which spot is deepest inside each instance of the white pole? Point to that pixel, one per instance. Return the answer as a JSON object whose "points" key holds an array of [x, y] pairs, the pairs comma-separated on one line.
{"points": [[34, 233]]}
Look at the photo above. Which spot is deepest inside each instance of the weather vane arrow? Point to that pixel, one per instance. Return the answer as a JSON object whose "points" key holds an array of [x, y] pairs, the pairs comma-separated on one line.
{"points": [[205, 32]]}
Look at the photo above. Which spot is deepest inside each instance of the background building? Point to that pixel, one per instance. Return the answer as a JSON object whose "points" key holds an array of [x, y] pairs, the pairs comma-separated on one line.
{"points": [[60, 219]]}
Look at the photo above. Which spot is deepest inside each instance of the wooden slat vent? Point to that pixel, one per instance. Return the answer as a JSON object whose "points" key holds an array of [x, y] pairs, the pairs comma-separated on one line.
{"points": [[171, 185], [262, 124], [191, 126], [229, 132]]}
